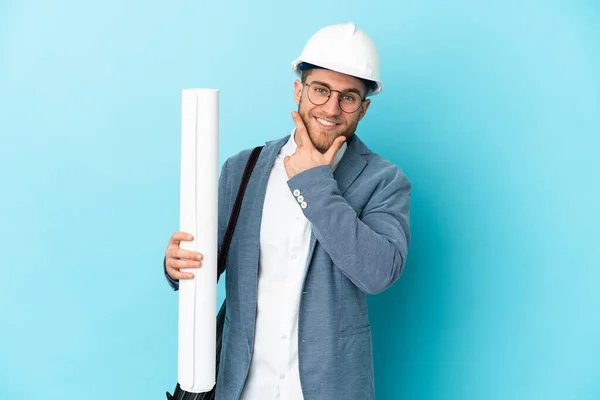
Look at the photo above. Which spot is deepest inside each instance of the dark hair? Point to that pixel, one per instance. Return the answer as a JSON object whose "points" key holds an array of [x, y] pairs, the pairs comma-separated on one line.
{"points": [[305, 74]]}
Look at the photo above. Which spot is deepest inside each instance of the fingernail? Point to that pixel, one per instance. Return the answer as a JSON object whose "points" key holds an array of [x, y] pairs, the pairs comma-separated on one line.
{"points": [[190, 237], [199, 256]]}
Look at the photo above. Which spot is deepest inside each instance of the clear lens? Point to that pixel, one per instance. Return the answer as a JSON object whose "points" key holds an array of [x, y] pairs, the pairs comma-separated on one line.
{"points": [[319, 94]]}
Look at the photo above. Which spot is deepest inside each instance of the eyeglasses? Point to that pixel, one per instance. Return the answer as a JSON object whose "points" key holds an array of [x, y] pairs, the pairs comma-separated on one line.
{"points": [[319, 94]]}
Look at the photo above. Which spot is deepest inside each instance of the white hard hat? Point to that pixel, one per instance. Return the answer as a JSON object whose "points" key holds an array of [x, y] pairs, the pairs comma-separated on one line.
{"points": [[342, 48]]}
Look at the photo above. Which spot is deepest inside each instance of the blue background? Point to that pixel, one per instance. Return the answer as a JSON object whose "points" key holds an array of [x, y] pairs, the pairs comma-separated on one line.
{"points": [[492, 110]]}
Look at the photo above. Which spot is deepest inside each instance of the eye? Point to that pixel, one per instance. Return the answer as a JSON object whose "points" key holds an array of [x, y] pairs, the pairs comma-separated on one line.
{"points": [[321, 90], [350, 98]]}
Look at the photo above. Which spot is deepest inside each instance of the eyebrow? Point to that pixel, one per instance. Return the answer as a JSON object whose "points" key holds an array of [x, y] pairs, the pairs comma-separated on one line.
{"points": [[355, 90]]}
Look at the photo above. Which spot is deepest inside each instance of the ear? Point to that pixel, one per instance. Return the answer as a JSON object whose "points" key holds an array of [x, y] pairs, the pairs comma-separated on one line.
{"points": [[298, 86], [363, 109]]}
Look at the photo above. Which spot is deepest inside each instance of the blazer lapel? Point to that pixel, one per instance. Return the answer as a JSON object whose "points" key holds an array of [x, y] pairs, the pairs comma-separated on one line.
{"points": [[351, 164]]}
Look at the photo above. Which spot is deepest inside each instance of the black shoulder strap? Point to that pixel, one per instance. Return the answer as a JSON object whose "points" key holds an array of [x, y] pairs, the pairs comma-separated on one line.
{"points": [[235, 212]]}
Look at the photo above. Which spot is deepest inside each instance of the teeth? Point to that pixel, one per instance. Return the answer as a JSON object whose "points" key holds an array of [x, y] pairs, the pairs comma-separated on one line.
{"points": [[325, 122]]}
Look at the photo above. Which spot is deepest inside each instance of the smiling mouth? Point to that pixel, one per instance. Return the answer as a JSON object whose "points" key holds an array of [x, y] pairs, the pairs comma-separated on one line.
{"points": [[325, 123]]}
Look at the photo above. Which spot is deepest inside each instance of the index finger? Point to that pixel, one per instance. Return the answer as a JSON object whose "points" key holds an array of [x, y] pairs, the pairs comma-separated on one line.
{"points": [[304, 139], [177, 237]]}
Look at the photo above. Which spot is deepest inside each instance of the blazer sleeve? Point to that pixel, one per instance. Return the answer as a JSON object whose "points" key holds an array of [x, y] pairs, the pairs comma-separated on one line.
{"points": [[370, 250], [223, 213]]}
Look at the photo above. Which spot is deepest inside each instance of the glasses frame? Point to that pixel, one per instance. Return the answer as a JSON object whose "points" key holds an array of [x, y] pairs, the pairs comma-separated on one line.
{"points": [[362, 99]]}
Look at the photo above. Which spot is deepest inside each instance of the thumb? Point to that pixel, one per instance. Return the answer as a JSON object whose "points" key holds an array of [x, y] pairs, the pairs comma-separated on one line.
{"points": [[286, 159], [329, 156]]}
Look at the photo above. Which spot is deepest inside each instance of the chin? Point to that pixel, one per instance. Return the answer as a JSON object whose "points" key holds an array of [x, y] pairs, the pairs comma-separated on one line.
{"points": [[323, 146], [322, 140]]}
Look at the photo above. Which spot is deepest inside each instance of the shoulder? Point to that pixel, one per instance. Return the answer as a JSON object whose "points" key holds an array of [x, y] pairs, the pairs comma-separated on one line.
{"points": [[240, 158], [237, 162], [382, 170], [385, 169]]}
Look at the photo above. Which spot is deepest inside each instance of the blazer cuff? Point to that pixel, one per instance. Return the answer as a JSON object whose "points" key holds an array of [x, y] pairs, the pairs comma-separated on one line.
{"points": [[174, 283], [311, 187]]}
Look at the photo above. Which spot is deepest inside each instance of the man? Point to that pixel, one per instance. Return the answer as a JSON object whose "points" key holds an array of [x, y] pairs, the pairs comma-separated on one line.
{"points": [[324, 222]]}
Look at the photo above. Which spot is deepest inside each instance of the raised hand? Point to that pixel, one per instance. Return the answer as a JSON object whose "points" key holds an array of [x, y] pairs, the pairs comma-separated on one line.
{"points": [[306, 155]]}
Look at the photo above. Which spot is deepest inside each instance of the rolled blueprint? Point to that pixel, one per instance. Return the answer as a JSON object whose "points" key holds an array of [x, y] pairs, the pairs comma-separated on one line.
{"points": [[198, 216]]}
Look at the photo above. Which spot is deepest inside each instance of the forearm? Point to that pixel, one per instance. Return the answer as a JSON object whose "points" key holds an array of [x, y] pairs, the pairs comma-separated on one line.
{"points": [[370, 251]]}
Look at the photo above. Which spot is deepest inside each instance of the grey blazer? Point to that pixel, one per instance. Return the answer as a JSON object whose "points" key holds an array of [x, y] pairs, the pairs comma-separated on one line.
{"points": [[360, 235]]}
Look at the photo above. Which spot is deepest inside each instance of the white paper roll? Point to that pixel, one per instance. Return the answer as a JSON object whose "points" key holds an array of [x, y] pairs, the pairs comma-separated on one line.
{"points": [[198, 216]]}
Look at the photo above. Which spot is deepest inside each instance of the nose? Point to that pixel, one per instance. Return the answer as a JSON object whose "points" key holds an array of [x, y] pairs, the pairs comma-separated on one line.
{"points": [[332, 106]]}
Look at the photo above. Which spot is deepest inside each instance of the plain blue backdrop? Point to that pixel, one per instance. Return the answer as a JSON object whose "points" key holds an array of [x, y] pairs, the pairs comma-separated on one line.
{"points": [[491, 108]]}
